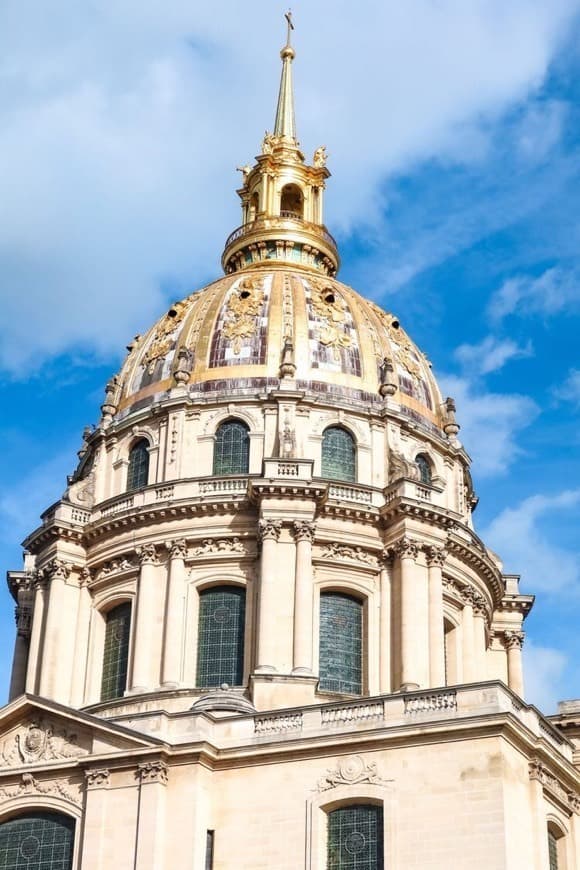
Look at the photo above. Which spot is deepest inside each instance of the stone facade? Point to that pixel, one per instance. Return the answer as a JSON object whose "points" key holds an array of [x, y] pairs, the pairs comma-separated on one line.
{"points": [[415, 707]]}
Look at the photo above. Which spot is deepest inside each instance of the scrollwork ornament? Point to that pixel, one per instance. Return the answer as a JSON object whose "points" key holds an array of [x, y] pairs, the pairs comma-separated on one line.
{"points": [[152, 772], [406, 548], [436, 556], [177, 549], [58, 569], [513, 639], [304, 530], [97, 777], [31, 787], [269, 529], [352, 770]]}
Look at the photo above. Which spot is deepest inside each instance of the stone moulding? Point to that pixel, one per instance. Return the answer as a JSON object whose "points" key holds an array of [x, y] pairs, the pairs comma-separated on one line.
{"points": [[439, 701], [277, 724], [352, 770], [352, 713], [568, 798], [31, 787]]}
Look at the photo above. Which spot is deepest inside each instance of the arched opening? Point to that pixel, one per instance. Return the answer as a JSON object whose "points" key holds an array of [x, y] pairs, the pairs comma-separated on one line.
{"points": [[424, 466], [42, 840], [338, 454], [341, 643], [116, 652], [355, 838], [220, 639], [291, 202], [556, 847], [138, 470], [232, 448]]}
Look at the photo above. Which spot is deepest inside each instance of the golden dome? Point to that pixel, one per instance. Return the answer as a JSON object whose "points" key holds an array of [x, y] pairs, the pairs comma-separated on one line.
{"points": [[262, 329]]}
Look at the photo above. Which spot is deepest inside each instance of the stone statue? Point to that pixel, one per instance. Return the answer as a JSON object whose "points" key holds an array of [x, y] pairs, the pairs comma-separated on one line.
{"points": [[320, 157]]}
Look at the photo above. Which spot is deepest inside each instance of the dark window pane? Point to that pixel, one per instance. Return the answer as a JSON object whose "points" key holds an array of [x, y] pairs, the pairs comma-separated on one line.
{"points": [[232, 448], [340, 643], [424, 467], [220, 646], [116, 652], [553, 851], [138, 471], [40, 841], [355, 838], [209, 837], [338, 454]]}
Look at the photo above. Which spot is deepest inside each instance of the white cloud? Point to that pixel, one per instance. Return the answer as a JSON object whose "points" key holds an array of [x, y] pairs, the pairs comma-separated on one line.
{"points": [[544, 676], [117, 122], [553, 291], [519, 535], [540, 129], [489, 422], [490, 355], [569, 391]]}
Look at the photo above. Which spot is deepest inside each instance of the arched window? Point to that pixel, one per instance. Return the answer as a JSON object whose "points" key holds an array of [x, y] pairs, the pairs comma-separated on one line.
{"points": [[340, 660], [37, 841], [338, 454], [355, 838], [291, 202], [424, 466], [232, 448], [555, 847], [116, 652], [220, 642], [138, 471]]}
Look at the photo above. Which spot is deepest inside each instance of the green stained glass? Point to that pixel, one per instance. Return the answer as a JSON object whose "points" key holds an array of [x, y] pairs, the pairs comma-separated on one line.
{"points": [[424, 467], [220, 646], [553, 851], [355, 838], [116, 652], [232, 448], [39, 841], [338, 454], [340, 663], [138, 471]]}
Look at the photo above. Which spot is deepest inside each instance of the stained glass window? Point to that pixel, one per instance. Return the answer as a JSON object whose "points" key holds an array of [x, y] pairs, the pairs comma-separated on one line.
{"points": [[220, 645], [116, 652], [355, 838], [553, 851], [424, 467], [38, 841], [138, 471], [232, 448], [338, 454], [340, 663]]}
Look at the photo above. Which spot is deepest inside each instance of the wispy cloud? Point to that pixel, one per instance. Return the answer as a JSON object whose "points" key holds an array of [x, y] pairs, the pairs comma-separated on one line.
{"points": [[490, 423], [519, 535], [544, 675], [491, 354], [569, 391], [552, 292]]}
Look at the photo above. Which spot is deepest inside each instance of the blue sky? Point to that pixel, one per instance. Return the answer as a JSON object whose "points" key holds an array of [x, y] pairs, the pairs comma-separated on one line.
{"points": [[453, 131]]}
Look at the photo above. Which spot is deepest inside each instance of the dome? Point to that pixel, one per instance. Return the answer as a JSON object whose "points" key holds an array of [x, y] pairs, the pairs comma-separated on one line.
{"points": [[251, 329]]}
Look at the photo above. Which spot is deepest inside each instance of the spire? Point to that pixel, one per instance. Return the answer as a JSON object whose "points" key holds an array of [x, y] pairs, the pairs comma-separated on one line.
{"points": [[285, 124]]}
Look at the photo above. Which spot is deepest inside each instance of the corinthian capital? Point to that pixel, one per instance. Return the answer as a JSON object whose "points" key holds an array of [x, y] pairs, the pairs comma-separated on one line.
{"points": [[177, 549], [304, 531], [57, 568], [435, 556], [269, 529], [152, 771], [147, 554], [513, 639], [406, 548]]}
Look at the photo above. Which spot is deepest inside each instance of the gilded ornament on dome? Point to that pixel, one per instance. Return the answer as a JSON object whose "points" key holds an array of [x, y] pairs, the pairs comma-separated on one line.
{"points": [[242, 310], [401, 342], [332, 311], [163, 338]]}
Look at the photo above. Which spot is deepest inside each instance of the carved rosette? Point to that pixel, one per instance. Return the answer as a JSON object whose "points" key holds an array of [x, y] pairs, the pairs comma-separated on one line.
{"points": [[435, 556], [97, 777], [147, 554], [152, 772], [177, 549], [352, 770], [513, 639], [406, 548], [304, 531], [269, 529]]}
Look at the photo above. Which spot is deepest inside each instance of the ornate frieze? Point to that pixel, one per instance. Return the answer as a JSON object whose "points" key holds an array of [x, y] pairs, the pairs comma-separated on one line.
{"points": [[569, 798], [31, 787], [115, 566], [218, 545], [350, 554], [304, 530], [269, 529], [152, 771], [97, 777], [37, 742], [353, 770]]}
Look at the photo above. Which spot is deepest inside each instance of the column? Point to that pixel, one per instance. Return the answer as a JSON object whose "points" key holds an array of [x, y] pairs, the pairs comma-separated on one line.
{"points": [[38, 612], [174, 610], [435, 560], [467, 626], [479, 636], [413, 633], [141, 672], [386, 581], [514, 641], [304, 534], [97, 781], [80, 663], [537, 772], [57, 572], [25, 598], [150, 839], [269, 532]]}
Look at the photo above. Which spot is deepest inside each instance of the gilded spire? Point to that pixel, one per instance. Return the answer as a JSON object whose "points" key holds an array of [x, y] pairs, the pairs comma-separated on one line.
{"points": [[285, 125]]}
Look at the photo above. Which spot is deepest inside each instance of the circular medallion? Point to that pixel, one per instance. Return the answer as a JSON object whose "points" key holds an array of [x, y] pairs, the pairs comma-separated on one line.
{"points": [[355, 843], [29, 847], [221, 615]]}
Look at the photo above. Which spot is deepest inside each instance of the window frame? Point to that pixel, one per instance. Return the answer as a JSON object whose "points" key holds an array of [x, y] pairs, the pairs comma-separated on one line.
{"points": [[223, 583], [339, 427], [20, 808], [105, 613], [345, 591], [378, 817], [138, 442], [427, 464], [221, 426]]}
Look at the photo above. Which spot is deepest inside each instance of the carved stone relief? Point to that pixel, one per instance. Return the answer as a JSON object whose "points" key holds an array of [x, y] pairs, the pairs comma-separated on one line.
{"points": [[351, 554], [352, 770], [39, 741], [218, 545], [29, 786]]}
